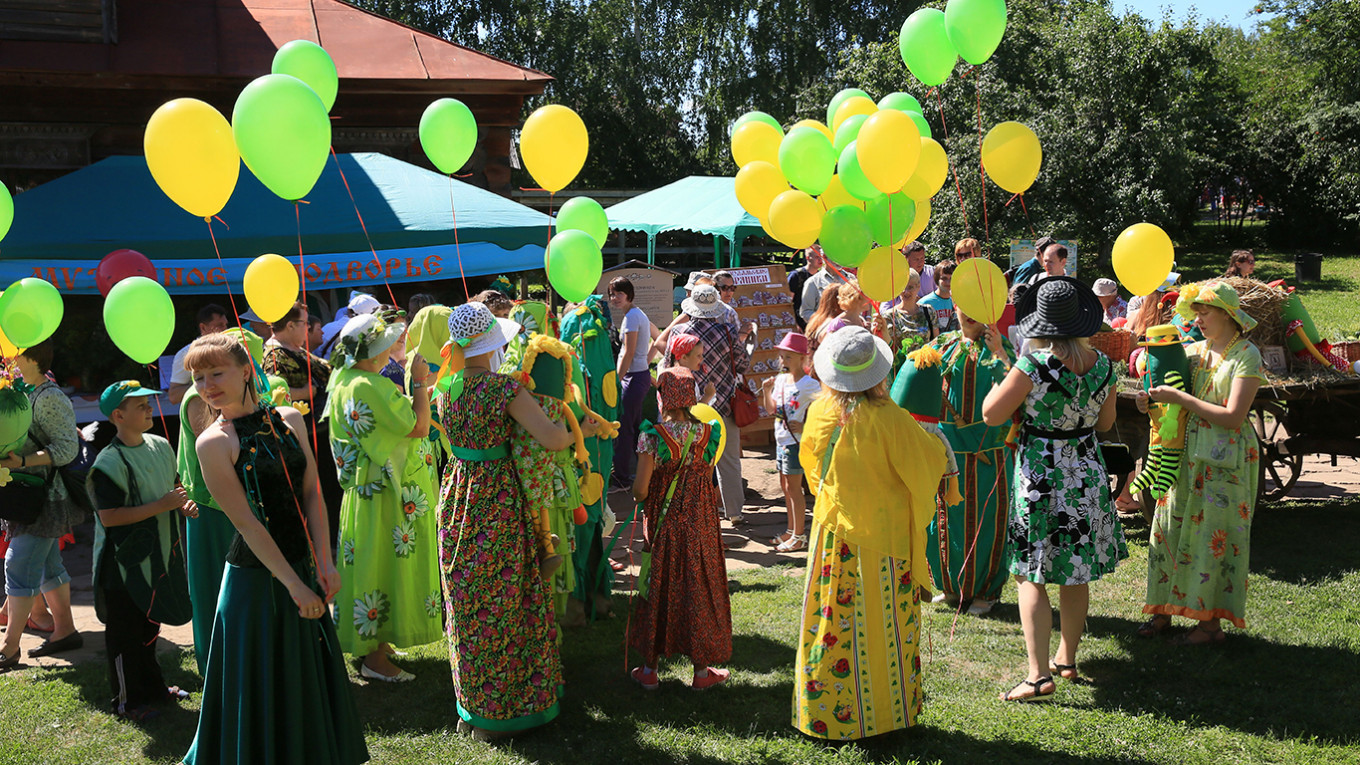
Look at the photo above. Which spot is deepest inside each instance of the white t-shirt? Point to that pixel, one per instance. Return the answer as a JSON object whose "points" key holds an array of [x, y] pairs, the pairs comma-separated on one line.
{"points": [[791, 402], [178, 374], [636, 321]]}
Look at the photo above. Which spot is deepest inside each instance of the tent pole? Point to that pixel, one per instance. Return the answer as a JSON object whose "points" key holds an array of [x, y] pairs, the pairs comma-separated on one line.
{"points": [[651, 249], [736, 252], [717, 252]]}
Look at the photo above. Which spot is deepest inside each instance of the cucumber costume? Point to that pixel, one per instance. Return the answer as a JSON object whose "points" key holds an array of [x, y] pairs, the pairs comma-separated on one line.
{"points": [[1163, 363]]}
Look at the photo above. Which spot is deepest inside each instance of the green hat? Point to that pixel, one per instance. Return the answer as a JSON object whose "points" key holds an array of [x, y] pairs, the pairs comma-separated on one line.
{"points": [[919, 387], [254, 343], [1219, 295], [113, 396], [547, 362]]}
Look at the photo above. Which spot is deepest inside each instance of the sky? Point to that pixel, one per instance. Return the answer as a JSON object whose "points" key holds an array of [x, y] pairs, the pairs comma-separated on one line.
{"points": [[1232, 11]]}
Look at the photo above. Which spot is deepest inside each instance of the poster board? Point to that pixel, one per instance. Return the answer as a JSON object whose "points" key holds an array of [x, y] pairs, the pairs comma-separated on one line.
{"points": [[652, 291], [763, 297], [1022, 250]]}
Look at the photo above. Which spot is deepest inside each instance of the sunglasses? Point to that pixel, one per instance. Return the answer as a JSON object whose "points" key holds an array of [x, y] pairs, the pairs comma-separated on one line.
{"points": [[728, 288]]}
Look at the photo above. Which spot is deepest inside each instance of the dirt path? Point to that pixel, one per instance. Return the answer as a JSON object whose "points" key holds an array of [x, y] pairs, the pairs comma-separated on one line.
{"points": [[749, 546]]}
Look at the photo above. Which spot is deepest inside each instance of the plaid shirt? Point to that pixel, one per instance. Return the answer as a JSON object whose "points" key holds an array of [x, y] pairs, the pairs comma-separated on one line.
{"points": [[723, 356]]}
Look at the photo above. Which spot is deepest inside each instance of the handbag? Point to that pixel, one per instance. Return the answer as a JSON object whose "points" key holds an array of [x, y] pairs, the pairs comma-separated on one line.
{"points": [[645, 566], [22, 499], [745, 410]]}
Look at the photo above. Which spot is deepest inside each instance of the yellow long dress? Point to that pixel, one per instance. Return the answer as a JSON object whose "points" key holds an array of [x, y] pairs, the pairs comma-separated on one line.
{"points": [[859, 672]]}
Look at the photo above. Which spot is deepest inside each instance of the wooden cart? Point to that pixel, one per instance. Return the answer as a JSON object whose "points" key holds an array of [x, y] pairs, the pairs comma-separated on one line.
{"points": [[1291, 420]]}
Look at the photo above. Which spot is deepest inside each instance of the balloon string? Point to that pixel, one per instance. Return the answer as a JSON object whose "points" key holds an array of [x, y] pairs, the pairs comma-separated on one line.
{"points": [[151, 369], [457, 248], [1027, 220], [307, 352], [982, 172], [957, 186], [376, 260], [547, 272], [230, 295], [977, 534]]}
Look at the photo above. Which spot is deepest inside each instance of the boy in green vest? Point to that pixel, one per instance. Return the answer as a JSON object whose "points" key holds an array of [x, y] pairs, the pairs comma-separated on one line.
{"points": [[139, 575]]}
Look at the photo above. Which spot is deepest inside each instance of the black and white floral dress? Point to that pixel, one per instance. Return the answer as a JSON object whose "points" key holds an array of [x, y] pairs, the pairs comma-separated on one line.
{"points": [[1064, 528]]}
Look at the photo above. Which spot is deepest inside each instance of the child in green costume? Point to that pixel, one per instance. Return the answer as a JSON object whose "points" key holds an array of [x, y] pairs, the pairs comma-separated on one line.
{"points": [[586, 330]]}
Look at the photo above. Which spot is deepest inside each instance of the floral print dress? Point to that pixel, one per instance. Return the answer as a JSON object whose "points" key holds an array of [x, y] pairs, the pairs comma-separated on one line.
{"points": [[1063, 525], [1201, 532], [551, 493], [389, 575], [502, 636]]}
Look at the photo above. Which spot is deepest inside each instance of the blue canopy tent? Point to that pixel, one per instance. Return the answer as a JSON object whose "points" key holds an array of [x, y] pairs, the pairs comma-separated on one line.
{"points": [[698, 203], [62, 228]]}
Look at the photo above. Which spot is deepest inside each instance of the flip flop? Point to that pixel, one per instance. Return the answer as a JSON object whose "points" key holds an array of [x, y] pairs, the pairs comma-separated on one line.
{"points": [[1037, 696], [32, 627]]}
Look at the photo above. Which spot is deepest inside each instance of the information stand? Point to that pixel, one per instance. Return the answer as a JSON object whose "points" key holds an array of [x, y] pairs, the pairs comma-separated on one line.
{"points": [[763, 297]]}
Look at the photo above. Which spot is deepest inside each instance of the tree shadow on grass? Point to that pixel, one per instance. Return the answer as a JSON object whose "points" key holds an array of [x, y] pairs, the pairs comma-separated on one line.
{"points": [[169, 734], [1250, 684], [1305, 542]]}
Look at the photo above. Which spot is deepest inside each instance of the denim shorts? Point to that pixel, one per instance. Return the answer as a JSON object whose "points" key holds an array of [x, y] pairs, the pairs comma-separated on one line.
{"points": [[786, 459], [33, 566]]}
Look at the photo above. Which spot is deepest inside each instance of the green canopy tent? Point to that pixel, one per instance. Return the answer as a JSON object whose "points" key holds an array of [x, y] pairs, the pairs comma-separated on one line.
{"points": [[63, 228], [698, 203]]}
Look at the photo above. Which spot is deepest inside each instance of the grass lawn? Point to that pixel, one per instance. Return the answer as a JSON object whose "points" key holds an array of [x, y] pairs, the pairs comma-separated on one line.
{"points": [[1284, 691]]}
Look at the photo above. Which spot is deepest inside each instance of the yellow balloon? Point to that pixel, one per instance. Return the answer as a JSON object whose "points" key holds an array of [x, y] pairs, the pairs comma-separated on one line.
{"points": [[554, 144], [592, 488], [610, 388], [795, 219], [757, 184], [1011, 156], [884, 274], [931, 170], [888, 148], [756, 142], [271, 286], [918, 224], [706, 413], [826, 131], [836, 195], [849, 108], [979, 290], [8, 350], [192, 155], [1143, 256]]}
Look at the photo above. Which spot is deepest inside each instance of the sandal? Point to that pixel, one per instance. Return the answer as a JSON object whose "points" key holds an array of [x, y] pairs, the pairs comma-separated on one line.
{"points": [[795, 543], [1154, 626], [1128, 507], [32, 626], [617, 566], [1038, 694], [1062, 671], [1211, 637], [782, 538]]}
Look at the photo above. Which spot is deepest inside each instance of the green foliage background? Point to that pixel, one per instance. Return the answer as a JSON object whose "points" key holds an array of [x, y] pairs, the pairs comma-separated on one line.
{"points": [[1137, 117]]}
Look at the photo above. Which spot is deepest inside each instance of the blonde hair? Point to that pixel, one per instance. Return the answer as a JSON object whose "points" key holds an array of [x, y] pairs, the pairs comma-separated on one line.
{"points": [[843, 400], [1065, 348], [214, 350], [847, 293], [969, 246]]}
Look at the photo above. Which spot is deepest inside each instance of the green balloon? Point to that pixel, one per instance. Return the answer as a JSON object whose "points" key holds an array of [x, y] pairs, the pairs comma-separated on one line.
{"points": [[890, 217], [140, 318], [310, 63], [921, 124], [902, 102], [6, 210], [975, 27], [574, 264], [839, 99], [925, 47], [845, 236], [852, 177], [807, 159], [448, 134], [283, 134], [757, 117], [849, 131], [584, 214], [30, 311]]}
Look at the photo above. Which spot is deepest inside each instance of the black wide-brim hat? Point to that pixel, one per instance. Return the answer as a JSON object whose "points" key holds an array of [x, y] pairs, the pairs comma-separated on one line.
{"points": [[1059, 306]]}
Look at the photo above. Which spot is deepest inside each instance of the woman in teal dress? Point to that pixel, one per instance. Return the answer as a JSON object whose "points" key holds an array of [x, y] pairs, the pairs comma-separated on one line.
{"points": [[1201, 532], [502, 635], [1063, 527], [966, 542], [389, 571], [275, 690]]}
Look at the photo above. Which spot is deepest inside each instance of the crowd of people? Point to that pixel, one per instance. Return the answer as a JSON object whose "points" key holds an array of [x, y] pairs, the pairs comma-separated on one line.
{"points": [[388, 480]]}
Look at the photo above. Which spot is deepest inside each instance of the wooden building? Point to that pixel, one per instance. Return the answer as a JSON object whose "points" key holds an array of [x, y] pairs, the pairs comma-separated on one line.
{"points": [[80, 78]]}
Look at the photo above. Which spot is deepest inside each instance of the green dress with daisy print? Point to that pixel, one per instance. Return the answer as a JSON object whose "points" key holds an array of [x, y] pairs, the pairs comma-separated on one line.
{"points": [[388, 562]]}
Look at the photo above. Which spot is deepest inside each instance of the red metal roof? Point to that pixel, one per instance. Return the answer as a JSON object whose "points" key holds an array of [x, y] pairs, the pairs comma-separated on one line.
{"points": [[238, 38]]}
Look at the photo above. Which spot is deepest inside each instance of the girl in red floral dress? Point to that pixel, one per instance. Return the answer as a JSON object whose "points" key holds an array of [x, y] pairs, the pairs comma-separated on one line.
{"points": [[686, 611]]}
